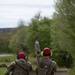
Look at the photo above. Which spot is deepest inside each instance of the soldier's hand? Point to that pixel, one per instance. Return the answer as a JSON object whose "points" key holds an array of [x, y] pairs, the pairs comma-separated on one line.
{"points": [[36, 37]]}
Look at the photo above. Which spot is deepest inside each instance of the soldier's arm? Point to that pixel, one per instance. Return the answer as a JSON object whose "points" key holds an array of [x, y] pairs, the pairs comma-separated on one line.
{"points": [[55, 66], [37, 45], [37, 48], [7, 72], [9, 68]]}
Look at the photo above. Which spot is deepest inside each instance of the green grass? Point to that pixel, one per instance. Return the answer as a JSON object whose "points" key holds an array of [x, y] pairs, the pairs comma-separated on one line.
{"points": [[33, 61], [8, 59], [2, 70]]}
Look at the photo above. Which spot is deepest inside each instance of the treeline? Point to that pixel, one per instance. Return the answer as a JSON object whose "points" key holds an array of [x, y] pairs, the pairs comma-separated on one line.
{"points": [[4, 39], [23, 38]]}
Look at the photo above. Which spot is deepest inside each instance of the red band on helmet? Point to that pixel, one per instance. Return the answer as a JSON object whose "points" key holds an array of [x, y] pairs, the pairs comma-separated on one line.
{"points": [[46, 51], [21, 55]]}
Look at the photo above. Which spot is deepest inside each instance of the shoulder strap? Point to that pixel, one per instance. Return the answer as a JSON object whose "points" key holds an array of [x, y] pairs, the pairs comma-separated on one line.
{"points": [[22, 68]]}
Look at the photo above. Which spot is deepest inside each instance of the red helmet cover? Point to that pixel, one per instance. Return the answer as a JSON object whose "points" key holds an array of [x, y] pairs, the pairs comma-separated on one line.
{"points": [[21, 55], [46, 51]]}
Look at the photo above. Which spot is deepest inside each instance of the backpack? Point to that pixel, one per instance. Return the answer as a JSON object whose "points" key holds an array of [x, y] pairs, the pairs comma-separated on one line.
{"points": [[47, 65]]}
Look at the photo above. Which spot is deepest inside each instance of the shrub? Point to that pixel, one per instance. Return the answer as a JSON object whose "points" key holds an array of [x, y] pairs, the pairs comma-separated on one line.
{"points": [[63, 59]]}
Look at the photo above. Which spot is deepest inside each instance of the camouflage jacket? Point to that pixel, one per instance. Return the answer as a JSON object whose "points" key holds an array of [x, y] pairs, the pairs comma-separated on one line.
{"points": [[46, 66], [18, 67]]}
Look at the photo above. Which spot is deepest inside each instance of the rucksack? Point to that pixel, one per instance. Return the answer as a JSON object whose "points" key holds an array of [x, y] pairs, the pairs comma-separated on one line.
{"points": [[47, 66]]}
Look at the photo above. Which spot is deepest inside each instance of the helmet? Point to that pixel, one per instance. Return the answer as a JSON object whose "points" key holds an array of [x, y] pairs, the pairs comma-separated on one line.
{"points": [[46, 51], [21, 55]]}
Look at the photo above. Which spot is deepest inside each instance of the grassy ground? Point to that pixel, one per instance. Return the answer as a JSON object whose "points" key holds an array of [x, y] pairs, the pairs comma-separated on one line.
{"points": [[8, 59], [2, 71]]}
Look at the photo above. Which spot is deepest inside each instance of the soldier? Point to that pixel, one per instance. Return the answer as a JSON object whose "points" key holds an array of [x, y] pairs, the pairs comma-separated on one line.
{"points": [[20, 66], [45, 65]]}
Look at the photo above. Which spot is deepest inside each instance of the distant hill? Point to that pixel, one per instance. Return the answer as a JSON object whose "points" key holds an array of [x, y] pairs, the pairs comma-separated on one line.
{"points": [[5, 30]]}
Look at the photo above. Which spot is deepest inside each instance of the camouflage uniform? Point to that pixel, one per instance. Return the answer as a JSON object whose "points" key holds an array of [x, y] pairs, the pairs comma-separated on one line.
{"points": [[18, 67], [45, 65]]}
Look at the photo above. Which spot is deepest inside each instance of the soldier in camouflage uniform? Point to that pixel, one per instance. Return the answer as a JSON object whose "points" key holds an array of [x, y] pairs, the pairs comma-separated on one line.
{"points": [[20, 66], [45, 65]]}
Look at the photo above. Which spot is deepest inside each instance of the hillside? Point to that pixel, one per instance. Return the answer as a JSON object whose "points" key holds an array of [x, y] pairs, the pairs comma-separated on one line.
{"points": [[5, 30]]}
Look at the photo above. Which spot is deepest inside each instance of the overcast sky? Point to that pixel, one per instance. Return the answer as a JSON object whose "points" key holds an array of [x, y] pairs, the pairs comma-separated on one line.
{"points": [[11, 11]]}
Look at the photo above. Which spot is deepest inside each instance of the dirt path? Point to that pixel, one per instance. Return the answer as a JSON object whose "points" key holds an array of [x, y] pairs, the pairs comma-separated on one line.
{"points": [[1, 55], [59, 72]]}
